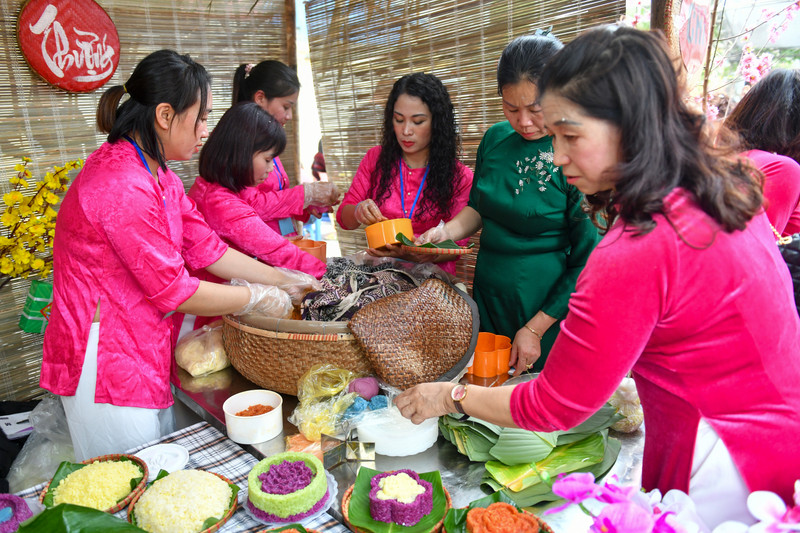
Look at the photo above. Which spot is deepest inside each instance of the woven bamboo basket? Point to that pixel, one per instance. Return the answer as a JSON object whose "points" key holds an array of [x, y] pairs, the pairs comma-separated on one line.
{"points": [[275, 353]]}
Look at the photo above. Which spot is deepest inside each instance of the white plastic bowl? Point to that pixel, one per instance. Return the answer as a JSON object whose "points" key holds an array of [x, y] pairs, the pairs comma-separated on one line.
{"points": [[253, 429], [396, 435]]}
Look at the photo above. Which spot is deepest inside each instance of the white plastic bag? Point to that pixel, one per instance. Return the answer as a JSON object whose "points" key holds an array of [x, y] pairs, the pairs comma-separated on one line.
{"points": [[45, 449], [201, 352]]}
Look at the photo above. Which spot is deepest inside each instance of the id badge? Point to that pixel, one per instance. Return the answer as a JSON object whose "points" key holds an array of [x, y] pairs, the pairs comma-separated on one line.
{"points": [[286, 226]]}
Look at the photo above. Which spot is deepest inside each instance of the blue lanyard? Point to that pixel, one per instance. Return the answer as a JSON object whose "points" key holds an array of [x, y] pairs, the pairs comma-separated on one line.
{"points": [[144, 161], [280, 177], [403, 190], [141, 154]]}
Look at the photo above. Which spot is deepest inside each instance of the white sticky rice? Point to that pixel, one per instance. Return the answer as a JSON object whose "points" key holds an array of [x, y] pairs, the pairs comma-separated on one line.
{"points": [[182, 501]]}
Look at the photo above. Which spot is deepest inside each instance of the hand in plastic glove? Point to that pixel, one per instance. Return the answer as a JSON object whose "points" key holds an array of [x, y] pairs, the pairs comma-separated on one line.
{"points": [[318, 211], [434, 235], [297, 284], [265, 300], [367, 212], [320, 193]]}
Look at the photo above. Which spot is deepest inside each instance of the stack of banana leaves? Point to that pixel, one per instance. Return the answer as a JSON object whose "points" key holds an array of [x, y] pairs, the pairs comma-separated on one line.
{"points": [[521, 463]]}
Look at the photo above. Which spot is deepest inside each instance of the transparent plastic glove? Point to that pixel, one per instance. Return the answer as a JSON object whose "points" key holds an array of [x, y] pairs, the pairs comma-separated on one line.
{"points": [[320, 193], [367, 212], [264, 300], [297, 284], [434, 235]]}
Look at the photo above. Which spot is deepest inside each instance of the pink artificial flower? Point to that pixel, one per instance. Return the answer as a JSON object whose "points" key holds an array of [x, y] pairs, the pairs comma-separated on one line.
{"points": [[623, 517], [575, 488]]}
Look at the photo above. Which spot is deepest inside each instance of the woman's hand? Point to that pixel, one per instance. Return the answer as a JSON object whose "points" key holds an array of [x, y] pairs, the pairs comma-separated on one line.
{"points": [[320, 193], [424, 401], [367, 212], [265, 300], [525, 351], [434, 235]]}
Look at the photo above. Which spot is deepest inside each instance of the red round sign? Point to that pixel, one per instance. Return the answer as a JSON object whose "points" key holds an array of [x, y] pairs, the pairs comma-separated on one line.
{"points": [[72, 44]]}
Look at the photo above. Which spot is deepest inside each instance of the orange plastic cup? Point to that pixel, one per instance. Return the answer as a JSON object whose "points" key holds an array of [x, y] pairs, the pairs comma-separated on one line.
{"points": [[492, 354], [318, 249], [382, 233]]}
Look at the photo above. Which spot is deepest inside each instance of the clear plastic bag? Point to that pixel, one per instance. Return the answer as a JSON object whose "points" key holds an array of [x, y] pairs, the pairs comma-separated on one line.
{"points": [[323, 399], [201, 352], [45, 449]]}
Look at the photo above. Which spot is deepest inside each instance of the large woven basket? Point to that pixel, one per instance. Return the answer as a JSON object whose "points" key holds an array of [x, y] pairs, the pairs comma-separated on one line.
{"points": [[275, 353]]}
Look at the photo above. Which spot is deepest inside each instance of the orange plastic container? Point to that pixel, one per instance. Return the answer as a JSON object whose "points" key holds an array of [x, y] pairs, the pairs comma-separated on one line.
{"points": [[382, 233], [492, 353], [318, 249]]}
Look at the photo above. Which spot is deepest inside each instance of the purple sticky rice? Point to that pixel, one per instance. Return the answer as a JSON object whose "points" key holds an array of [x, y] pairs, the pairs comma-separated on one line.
{"points": [[393, 511], [19, 509], [275, 519], [286, 477]]}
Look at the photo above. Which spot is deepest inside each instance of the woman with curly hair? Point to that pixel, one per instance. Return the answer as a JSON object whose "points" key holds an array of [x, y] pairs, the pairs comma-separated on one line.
{"points": [[274, 87], [415, 172], [535, 237], [768, 120], [687, 289]]}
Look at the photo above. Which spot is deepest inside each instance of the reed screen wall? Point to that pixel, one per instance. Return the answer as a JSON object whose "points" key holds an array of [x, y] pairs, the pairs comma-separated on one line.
{"points": [[51, 126], [360, 47]]}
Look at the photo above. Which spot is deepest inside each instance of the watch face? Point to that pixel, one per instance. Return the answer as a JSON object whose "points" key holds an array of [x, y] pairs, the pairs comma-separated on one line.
{"points": [[458, 393]]}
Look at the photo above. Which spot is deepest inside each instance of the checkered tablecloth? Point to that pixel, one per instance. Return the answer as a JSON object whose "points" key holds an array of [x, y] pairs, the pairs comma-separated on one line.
{"points": [[212, 451]]}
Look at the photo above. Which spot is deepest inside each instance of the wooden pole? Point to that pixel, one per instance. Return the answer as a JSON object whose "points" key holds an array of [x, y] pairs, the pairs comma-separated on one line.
{"points": [[290, 25]]}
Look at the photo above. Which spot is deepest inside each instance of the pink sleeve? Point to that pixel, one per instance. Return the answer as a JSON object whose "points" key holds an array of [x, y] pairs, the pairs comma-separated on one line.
{"points": [[237, 222], [781, 189], [135, 232], [360, 186], [602, 337], [274, 204], [201, 246]]}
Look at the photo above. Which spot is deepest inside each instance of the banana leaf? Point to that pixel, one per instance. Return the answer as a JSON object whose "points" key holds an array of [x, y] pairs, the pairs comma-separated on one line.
{"points": [[449, 244], [516, 446], [69, 518], [541, 492], [360, 517], [66, 468], [455, 521], [604, 418], [562, 459]]}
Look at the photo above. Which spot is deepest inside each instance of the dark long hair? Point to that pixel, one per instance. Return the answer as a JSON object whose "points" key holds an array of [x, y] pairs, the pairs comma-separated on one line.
{"points": [[768, 116], [626, 77], [273, 77], [162, 77], [443, 150], [244, 130], [524, 59]]}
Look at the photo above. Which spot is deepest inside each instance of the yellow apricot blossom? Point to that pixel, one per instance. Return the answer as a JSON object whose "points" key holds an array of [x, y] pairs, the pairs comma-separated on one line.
{"points": [[28, 221]]}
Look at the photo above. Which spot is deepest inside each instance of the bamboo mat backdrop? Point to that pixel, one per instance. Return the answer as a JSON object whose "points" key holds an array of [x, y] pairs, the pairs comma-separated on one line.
{"points": [[52, 126], [360, 48]]}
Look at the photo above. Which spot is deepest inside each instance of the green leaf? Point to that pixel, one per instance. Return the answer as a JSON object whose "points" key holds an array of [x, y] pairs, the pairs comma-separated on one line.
{"points": [[359, 514], [602, 419], [209, 522], [63, 470], [449, 244], [562, 459], [455, 521], [68, 518], [517, 446]]}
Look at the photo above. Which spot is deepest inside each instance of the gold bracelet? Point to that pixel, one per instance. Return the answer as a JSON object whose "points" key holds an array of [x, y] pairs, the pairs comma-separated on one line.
{"points": [[526, 326]]}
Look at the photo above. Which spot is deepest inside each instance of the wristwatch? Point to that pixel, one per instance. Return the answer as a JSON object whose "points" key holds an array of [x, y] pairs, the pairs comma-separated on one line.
{"points": [[457, 394]]}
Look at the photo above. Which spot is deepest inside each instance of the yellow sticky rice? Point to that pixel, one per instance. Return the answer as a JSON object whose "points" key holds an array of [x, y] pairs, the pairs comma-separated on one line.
{"points": [[99, 485], [182, 501], [400, 487]]}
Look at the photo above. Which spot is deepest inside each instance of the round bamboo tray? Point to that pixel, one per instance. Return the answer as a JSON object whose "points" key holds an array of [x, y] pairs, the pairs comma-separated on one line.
{"points": [[346, 514], [309, 530], [275, 352], [543, 526], [135, 493]]}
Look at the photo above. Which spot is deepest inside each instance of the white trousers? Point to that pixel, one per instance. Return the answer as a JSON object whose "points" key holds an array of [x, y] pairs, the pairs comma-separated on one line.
{"points": [[101, 428], [716, 487]]}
